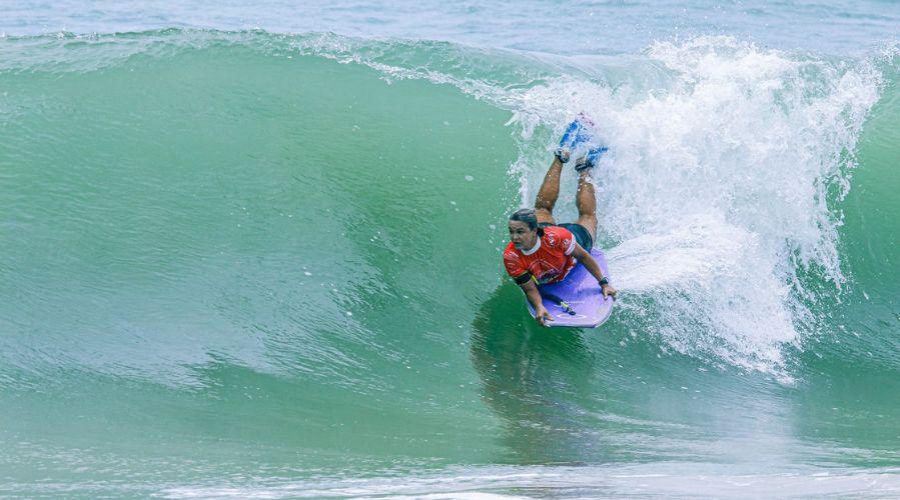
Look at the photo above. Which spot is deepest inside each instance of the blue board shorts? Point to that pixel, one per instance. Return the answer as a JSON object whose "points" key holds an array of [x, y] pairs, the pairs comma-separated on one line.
{"points": [[582, 236]]}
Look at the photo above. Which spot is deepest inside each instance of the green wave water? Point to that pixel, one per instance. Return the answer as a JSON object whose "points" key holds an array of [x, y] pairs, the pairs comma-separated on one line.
{"points": [[242, 263]]}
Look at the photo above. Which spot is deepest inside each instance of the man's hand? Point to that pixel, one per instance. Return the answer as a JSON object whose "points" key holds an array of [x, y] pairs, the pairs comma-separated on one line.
{"points": [[543, 316], [608, 291]]}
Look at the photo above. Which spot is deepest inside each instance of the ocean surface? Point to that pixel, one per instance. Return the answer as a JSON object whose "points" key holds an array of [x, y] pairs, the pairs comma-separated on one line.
{"points": [[253, 249]]}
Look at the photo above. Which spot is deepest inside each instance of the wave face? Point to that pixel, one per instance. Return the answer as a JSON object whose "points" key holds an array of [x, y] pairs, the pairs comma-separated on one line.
{"points": [[241, 263]]}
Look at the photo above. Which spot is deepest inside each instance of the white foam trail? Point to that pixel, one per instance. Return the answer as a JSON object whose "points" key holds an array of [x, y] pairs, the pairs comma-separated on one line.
{"points": [[706, 298], [717, 187]]}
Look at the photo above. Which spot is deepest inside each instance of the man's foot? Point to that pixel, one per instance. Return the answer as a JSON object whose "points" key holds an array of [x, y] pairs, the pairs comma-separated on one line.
{"points": [[590, 159], [577, 133]]}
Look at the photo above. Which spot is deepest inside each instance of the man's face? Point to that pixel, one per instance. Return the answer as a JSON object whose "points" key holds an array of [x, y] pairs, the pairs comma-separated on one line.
{"points": [[521, 236]]}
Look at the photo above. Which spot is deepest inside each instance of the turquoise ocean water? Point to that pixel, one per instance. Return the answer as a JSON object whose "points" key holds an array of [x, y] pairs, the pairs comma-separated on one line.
{"points": [[254, 250]]}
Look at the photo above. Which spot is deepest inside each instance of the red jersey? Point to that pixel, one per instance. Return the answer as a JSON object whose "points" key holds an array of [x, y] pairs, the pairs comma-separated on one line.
{"points": [[549, 261]]}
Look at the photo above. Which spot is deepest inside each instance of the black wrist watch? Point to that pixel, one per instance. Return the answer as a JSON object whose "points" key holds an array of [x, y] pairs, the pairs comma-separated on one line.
{"points": [[603, 281]]}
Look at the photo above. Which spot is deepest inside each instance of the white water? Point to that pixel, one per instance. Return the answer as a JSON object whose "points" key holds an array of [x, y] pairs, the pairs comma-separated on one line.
{"points": [[719, 187]]}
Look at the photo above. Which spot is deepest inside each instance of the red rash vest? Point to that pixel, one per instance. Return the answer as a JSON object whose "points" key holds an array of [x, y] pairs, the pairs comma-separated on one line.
{"points": [[549, 261]]}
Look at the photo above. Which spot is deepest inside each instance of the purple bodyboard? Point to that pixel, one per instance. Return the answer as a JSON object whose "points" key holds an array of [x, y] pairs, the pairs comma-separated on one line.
{"points": [[582, 293]]}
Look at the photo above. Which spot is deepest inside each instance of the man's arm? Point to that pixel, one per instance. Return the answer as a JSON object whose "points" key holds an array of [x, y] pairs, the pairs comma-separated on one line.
{"points": [[591, 265]]}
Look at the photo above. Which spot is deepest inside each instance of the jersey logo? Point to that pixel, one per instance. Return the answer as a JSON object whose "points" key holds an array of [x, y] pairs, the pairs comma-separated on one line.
{"points": [[550, 271]]}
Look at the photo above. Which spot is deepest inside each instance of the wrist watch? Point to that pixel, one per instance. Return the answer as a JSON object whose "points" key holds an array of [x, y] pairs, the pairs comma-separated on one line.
{"points": [[603, 281]]}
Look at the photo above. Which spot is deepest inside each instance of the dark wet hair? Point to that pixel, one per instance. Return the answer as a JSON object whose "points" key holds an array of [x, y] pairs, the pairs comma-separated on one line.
{"points": [[527, 216]]}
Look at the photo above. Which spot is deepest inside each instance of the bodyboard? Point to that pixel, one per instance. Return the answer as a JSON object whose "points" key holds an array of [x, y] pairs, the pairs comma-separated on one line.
{"points": [[581, 293]]}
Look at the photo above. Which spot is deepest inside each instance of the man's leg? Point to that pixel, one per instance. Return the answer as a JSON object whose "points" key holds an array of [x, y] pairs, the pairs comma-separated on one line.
{"points": [[546, 197], [586, 202]]}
